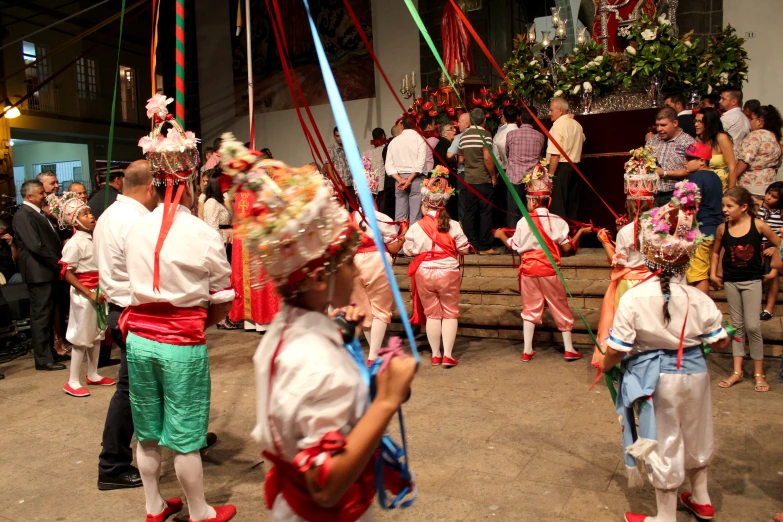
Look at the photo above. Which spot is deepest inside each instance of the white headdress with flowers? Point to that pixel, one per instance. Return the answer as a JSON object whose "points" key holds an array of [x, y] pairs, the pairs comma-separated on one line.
{"points": [[66, 208], [538, 182], [436, 191]]}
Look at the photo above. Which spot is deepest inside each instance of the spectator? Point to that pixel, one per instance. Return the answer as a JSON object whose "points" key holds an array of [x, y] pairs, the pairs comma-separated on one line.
{"points": [[710, 101], [375, 153], [427, 127], [386, 200], [523, 151], [9, 256], [202, 197], [208, 152], [759, 156], [463, 122], [339, 165], [569, 135], [668, 146], [750, 107], [734, 121], [49, 181], [480, 172], [39, 256], [709, 130], [770, 213], [448, 133], [78, 188], [405, 161], [98, 202], [508, 123], [684, 115], [214, 159], [216, 214]]}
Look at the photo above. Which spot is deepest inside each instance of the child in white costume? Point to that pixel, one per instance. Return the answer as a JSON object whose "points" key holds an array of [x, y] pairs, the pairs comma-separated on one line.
{"points": [[80, 270], [436, 242], [654, 320], [316, 423]]}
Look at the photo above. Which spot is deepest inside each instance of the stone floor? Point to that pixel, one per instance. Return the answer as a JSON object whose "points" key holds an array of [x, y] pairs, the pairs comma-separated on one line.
{"points": [[493, 438]]}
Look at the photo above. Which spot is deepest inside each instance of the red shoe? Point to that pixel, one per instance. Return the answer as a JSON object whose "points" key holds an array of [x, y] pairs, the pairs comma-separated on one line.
{"points": [[703, 511], [572, 356], [173, 505], [369, 363], [75, 392], [527, 356], [634, 517], [222, 514], [448, 362], [105, 381], [436, 361]]}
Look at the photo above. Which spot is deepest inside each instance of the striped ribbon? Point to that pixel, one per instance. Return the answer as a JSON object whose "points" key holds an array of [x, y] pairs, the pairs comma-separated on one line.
{"points": [[180, 56], [357, 172]]}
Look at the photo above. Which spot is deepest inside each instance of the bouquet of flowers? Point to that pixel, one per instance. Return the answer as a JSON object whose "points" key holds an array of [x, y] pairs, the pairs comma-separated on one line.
{"points": [[539, 171], [642, 161], [587, 70], [527, 73], [373, 180]]}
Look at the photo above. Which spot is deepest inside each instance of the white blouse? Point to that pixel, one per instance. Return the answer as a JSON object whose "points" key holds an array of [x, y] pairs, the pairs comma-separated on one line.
{"points": [[625, 254], [216, 214], [554, 226], [417, 241]]}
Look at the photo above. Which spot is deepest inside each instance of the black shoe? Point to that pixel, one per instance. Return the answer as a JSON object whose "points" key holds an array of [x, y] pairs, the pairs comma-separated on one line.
{"points": [[766, 316], [102, 363], [50, 367], [61, 358], [211, 441], [129, 479]]}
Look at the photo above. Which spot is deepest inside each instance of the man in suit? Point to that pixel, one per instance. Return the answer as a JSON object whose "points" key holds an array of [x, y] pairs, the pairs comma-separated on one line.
{"points": [[39, 255], [98, 203], [685, 118]]}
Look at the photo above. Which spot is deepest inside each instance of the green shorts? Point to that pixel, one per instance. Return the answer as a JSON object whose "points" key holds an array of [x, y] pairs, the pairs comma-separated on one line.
{"points": [[169, 393]]}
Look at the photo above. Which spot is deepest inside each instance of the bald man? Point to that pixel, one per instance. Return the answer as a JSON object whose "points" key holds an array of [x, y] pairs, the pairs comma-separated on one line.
{"points": [[137, 200]]}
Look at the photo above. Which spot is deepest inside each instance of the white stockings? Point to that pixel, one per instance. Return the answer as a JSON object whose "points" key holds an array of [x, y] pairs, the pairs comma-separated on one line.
{"points": [[667, 506], [375, 337], [433, 335], [449, 336], [528, 330], [569, 345], [148, 460], [77, 357], [698, 479]]}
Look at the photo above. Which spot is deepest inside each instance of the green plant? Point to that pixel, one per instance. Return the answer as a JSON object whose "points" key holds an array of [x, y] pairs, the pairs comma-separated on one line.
{"points": [[724, 63], [654, 51], [527, 73], [588, 70]]}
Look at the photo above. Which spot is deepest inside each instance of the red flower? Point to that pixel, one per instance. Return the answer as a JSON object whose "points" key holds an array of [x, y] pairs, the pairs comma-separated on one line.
{"points": [[442, 103], [418, 118], [499, 90], [450, 111], [486, 105], [484, 90], [506, 103], [476, 101], [497, 112], [427, 106], [433, 113], [426, 89], [419, 101]]}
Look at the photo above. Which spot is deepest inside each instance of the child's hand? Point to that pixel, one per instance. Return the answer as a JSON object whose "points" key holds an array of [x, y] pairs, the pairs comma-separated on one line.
{"points": [[92, 296], [499, 234], [586, 230], [717, 282], [394, 383], [769, 252]]}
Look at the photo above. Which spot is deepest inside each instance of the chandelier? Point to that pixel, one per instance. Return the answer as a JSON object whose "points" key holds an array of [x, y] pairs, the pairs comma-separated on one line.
{"points": [[469, 5]]}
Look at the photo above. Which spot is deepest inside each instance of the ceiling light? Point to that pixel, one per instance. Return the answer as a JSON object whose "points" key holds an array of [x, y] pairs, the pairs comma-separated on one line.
{"points": [[11, 112]]}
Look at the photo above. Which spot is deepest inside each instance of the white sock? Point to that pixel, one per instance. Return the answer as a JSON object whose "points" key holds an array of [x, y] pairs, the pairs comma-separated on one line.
{"points": [[433, 335], [569, 344], [528, 329], [667, 506], [375, 337], [77, 356], [449, 335], [698, 479], [92, 362], [148, 461], [190, 474]]}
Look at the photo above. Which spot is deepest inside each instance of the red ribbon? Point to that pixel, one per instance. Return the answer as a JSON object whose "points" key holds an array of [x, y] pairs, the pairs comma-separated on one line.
{"points": [[169, 210], [165, 323], [331, 443]]}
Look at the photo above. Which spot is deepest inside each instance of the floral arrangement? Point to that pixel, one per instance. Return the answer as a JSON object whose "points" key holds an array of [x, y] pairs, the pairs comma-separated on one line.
{"points": [[654, 52], [174, 141], [723, 63], [687, 196], [436, 190], [539, 171], [642, 161], [175, 153], [587, 70], [527, 73], [371, 174]]}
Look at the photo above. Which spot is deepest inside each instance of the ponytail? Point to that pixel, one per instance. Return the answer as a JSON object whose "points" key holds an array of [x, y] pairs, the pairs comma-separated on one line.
{"points": [[742, 196], [444, 221], [665, 279]]}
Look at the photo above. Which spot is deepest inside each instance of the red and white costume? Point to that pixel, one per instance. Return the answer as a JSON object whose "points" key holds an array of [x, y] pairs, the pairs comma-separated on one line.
{"points": [[83, 319]]}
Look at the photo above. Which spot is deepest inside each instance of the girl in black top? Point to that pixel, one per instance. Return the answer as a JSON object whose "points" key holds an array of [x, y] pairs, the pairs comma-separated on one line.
{"points": [[739, 240]]}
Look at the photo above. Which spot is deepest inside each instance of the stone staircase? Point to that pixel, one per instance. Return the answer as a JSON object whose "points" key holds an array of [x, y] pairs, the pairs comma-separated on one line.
{"points": [[490, 303]]}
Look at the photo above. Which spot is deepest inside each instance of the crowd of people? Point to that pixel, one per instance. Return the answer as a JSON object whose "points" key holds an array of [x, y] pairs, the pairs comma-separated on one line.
{"points": [[152, 259]]}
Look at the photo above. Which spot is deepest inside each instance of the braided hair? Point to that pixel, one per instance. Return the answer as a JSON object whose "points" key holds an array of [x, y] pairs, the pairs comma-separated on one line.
{"points": [[665, 279]]}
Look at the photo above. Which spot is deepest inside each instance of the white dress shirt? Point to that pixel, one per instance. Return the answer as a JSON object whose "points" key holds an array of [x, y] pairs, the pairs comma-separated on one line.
{"points": [[406, 153], [194, 270], [499, 142], [737, 125], [109, 238], [554, 226], [417, 241], [625, 254]]}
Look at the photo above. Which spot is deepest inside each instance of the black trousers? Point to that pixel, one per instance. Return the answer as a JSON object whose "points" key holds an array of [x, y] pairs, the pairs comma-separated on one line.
{"points": [[477, 216], [386, 199], [565, 192], [116, 455], [42, 303], [511, 205]]}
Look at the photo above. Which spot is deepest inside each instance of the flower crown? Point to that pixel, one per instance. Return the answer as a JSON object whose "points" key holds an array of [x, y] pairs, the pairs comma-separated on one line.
{"points": [[436, 191], [173, 156], [640, 179], [66, 208], [538, 182]]}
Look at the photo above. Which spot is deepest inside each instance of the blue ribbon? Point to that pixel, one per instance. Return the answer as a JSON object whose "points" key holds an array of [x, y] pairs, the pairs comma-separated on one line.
{"points": [[357, 172]]}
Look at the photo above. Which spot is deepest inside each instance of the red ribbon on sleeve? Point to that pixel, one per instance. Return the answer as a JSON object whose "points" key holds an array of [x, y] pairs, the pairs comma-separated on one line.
{"points": [[330, 444]]}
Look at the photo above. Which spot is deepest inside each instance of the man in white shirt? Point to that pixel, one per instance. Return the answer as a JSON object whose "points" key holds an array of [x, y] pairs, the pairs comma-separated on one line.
{"points": [[569, 135], [406, 161], [109, 239], [734, 121], [508, 123]]}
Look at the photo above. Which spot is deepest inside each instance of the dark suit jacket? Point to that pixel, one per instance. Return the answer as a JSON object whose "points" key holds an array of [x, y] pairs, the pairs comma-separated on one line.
{"points": [[688, 124], [98, 200], [39, 246]]}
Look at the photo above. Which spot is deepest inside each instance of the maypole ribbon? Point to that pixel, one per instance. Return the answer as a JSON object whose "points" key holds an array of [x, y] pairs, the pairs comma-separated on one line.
{"points": [[250, 96], [357, 171], [180, 58]]}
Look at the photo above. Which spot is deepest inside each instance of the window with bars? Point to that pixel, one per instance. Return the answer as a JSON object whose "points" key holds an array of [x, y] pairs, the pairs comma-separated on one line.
{"points": [[128, 94], [44, 98], [67, 172], [87, 79]]}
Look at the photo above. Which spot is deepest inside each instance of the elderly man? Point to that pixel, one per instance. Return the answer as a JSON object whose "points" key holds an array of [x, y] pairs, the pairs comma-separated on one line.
{"points": [[49, 181], [684, 115], [98, 203], [734, 121], [339, 165], [406, 161], [523, 150], [78, 188], [569, 135], [508, 123], [40, 250], [474, 146], [669, 145]]}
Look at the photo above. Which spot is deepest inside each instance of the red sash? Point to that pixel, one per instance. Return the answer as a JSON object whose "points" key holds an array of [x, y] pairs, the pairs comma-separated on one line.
{"points": [[534, 263], [165, 323], [429, 224], [88, 279], [366, 243]]}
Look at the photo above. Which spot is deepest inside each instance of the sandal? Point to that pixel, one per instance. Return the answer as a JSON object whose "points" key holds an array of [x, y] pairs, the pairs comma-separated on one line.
{"points": [[728, 382], [760, 386]]}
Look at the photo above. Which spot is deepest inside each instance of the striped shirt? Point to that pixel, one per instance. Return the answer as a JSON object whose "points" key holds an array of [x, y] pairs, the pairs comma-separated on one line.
{"points": [[471, 146], [772, 218]]}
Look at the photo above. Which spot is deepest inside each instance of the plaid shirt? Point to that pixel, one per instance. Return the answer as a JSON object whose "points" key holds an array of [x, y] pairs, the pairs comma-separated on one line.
{"points": [[337, 154], [670, 155], [523, 150]]}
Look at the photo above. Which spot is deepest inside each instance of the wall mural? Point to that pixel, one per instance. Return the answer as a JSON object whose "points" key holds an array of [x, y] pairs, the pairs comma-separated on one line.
{"points": [[352, 65]]}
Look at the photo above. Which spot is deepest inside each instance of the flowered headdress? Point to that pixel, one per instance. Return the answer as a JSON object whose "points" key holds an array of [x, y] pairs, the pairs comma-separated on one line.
{"points": [[670, 234], [436, 191], [640, 180], [295, 225], [173, 158], [539, 183], [66, 208]]}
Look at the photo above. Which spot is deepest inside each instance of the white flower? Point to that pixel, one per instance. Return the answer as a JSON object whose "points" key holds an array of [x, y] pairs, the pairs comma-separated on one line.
{"points": [[534, 62], [558, 94], [521, 76], [599, 58], [598, 78], [724, 78], [663, 20], [688, 43], [536, 76], [591, 64], [686, 82], [649, 35], [709, 89], [608, 74], [576, 49], [157, 105], [576, 89], [563, 68], [587, 86], [624, 31], [630, 50]]}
